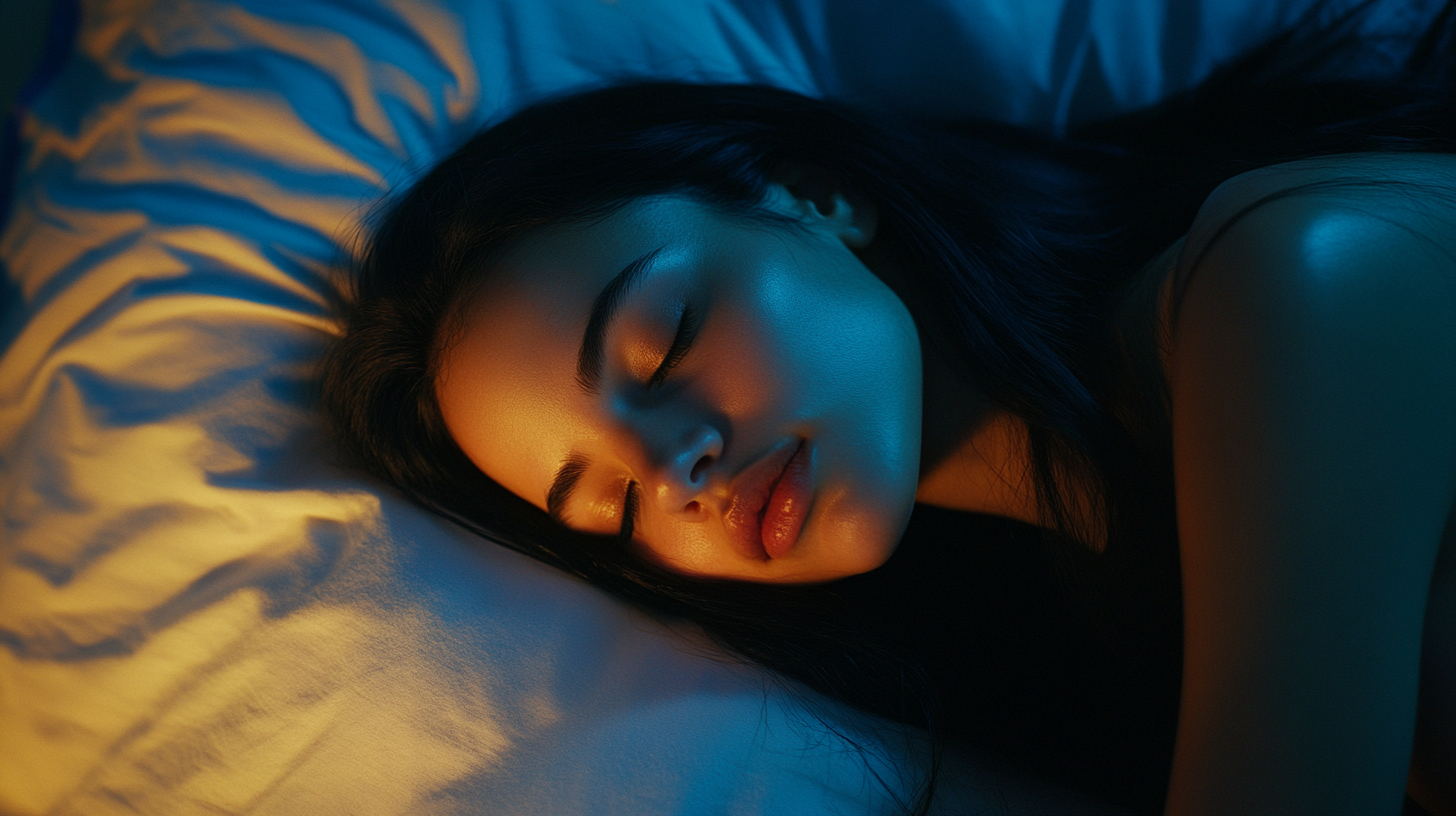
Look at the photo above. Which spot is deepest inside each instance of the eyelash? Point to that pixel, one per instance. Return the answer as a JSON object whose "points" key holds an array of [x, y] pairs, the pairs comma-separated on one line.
{"points": [[629, 512], [687, 331]]}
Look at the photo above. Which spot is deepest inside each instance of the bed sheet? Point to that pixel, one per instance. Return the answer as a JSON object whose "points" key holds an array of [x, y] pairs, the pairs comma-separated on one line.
{"points": [[200, 612]]}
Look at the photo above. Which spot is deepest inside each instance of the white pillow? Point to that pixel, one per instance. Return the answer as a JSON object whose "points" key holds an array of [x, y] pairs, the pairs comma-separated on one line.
{"points": [[198, 612]]}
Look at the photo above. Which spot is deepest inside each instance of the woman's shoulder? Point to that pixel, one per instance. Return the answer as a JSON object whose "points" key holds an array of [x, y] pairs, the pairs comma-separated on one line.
{"points": [[1418, 189], [1312, 392], [1321, 221]]}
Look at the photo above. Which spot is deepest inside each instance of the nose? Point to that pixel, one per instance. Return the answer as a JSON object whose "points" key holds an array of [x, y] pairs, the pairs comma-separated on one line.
{"points": [[682, 472]]}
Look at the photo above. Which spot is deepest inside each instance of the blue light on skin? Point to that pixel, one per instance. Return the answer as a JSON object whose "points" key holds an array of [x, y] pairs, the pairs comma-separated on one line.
{"points": [[797, 339]]}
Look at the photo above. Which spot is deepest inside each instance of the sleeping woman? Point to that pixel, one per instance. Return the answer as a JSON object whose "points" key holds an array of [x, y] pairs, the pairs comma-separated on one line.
{"points": [[1129, 456]]}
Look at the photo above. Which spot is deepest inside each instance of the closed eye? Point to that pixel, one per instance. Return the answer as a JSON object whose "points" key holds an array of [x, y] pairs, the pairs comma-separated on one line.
{"points": [[687, 331], [629, 512]]}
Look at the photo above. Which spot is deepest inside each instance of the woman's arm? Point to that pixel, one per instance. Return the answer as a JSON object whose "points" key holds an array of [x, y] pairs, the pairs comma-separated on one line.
{"points": [[1313, 379]]}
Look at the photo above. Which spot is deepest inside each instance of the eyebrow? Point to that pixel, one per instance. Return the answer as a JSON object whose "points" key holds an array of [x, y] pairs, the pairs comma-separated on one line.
{"points": [[604, 310], [562, 484]]}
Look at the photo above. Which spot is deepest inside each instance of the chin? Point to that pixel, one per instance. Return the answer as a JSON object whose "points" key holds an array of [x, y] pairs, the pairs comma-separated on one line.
{"points": [[856, 539]]}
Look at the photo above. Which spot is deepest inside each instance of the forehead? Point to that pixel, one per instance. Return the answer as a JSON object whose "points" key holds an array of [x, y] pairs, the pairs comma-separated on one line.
{"points": [[507, 383]]}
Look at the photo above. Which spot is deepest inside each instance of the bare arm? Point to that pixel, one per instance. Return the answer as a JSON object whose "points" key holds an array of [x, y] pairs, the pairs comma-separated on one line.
{"points": [[1313, 378]]}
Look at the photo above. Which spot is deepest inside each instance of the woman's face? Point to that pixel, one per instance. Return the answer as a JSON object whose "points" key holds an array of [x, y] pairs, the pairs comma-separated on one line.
{"points": [[743, 400]]}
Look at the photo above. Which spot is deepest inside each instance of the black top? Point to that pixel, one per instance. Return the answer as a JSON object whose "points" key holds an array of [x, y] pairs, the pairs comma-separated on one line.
{"points": [[1042, 653]]}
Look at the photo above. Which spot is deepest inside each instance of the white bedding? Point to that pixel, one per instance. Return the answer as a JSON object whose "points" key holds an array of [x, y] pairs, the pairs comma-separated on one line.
{"points": [[199, 612]]}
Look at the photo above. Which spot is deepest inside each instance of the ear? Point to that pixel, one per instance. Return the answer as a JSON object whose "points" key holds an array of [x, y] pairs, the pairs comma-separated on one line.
{"points": [[820, 198]]}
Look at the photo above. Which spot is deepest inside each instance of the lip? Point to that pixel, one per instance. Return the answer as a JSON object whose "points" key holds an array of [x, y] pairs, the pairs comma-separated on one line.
{"points": [[788, 505], [752, 490]]}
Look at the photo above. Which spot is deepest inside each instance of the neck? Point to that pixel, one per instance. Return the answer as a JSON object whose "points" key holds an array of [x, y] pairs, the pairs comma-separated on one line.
{"points": [[973, 456], [986, 473]]}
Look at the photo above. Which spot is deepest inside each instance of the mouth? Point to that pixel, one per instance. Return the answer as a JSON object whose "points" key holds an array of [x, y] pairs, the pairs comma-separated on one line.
{"points": [[768, 508]]}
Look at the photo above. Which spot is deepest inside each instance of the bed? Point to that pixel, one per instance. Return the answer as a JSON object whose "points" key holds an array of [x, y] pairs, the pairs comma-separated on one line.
{"points": [[201, 611]]}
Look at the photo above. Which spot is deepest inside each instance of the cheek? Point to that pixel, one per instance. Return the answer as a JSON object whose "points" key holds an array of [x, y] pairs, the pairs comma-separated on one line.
{"points": [[752, 381], [807, 333], [690, 549], [856, 351], [867, 392], [741, 366], [839, 352]]}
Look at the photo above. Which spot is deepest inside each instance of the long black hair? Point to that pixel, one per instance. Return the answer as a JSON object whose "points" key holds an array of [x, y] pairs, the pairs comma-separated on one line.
{"points": [[1024, 245]]}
